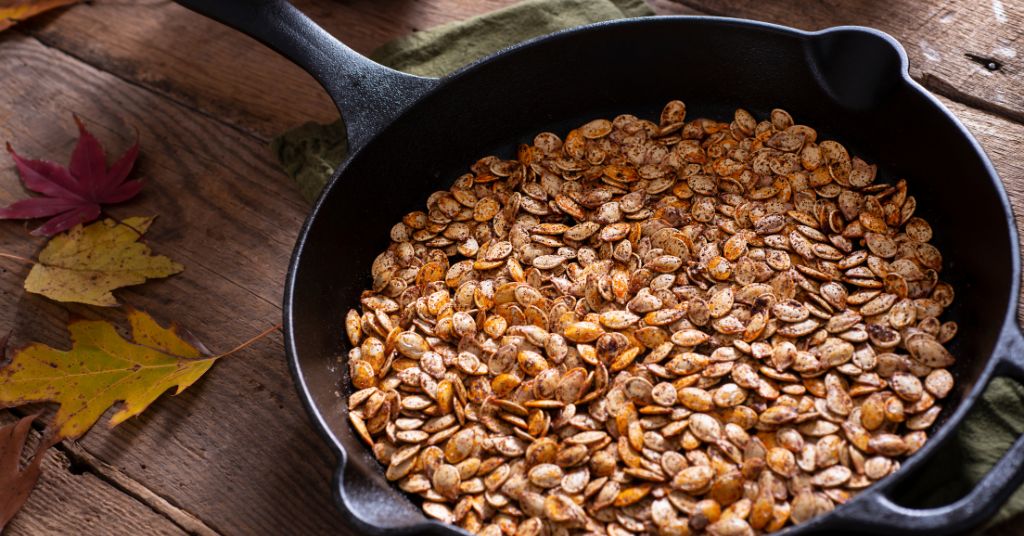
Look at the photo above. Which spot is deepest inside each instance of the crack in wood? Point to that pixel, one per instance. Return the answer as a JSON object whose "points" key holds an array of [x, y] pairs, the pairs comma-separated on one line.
{"points": [[81, 462], [939, 86], [148, 89], [84, 461], [928, 80]]}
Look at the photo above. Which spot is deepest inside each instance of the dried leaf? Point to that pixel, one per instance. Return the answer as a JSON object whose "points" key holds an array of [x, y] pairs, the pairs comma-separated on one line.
{"points": [[74, 194], [100, 370], [15, 484], [13, 12], [87, 263]]}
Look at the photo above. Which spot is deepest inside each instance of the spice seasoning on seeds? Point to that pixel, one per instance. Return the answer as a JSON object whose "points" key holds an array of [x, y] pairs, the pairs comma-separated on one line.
{"points": [[675, 328]]}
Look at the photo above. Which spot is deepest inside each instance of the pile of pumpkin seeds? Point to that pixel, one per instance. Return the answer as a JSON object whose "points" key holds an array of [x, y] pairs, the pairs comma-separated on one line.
{"points": [[669, 328]]}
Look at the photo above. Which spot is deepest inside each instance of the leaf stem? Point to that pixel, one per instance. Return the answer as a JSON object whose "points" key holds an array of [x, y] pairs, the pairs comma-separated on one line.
{"points": [[17, 258], [249, 342], [119, 222]]}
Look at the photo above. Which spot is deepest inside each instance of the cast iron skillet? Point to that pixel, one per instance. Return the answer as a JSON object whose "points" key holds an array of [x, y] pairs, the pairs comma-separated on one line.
{"points": [[410, 136]]}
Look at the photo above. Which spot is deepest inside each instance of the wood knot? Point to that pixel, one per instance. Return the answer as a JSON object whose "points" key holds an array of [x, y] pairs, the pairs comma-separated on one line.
{"points": [[991, 64]]}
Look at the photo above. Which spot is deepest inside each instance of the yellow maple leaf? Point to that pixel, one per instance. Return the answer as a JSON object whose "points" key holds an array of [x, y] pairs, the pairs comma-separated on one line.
{"points": [[100, 370], [86, 263], [15, 11]]}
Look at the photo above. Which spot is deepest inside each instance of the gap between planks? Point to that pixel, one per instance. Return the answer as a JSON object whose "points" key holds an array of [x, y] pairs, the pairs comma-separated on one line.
{"points": [[86, 462], [939, 86], [166, 96], [189, 522], [77, 454], [122, 482], [930, 81]]}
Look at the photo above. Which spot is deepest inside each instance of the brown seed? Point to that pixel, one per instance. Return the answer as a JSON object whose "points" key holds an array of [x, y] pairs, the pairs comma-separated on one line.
{"points": [[411, 345], [439, 512], [560, 508], [664, 394], [693, 480], [532, 363], [790, 311], [362, 374], [781, 461], [719, 268], [460, 446], [720, 302], [929, 352], [834, 476], [705, 427], [583, 332], [778, 415], [618, 319], [732, 307], [353, 327], [546, 475], [872, 414], [727, 488], [887, 445], [570, 387], [804, 507], [925, 419], [446, 481], [939, 383], [631, 495], [907, 386], [689, 337], [729, 395], [696, 399]]}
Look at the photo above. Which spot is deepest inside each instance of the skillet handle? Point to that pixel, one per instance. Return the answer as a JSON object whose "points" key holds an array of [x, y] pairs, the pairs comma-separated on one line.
{"points": [[878, 514], [369, 95]]}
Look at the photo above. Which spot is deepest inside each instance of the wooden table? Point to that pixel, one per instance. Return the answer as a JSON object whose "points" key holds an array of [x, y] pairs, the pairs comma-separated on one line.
{"points": [[236, 454]]}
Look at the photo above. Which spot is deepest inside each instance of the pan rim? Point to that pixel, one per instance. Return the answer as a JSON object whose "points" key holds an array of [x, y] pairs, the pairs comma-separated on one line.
{"points": [[940, 435]]}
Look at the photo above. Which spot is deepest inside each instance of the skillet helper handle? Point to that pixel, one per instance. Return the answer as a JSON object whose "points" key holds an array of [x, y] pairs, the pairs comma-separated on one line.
{"points": [[880, 515], [369, 95]]}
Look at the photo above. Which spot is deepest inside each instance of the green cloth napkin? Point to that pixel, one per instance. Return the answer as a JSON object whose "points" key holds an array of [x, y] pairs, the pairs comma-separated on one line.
{"points": [[310, 154]]}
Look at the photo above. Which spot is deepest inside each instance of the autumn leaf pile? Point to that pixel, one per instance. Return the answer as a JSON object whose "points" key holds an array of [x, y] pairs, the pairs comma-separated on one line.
{"points": [[84, 262]]}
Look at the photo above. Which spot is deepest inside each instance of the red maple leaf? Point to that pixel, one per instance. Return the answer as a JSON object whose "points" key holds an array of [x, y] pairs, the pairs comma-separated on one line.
{"points": [[74, 194]]}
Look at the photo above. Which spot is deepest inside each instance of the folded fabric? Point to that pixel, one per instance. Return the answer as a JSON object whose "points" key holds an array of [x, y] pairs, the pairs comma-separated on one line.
{"points": [[310, 154]]}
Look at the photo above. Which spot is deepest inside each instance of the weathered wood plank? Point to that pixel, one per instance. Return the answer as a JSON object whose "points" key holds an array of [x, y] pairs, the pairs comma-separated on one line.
{"points": [[235, 450], [968, 50], [225, 449], [67, 502], [1003, 141], [163, 46], [167, 48]]}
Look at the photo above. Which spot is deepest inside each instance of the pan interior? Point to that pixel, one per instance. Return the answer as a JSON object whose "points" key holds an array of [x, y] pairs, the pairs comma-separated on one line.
{"points": [[846, 84]]}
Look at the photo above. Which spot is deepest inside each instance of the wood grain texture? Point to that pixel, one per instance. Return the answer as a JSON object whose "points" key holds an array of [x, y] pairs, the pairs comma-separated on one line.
{"points": [[133, 488], [224, 449], [236, 451], [66, 501], [198, 62], [968, 50]]}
